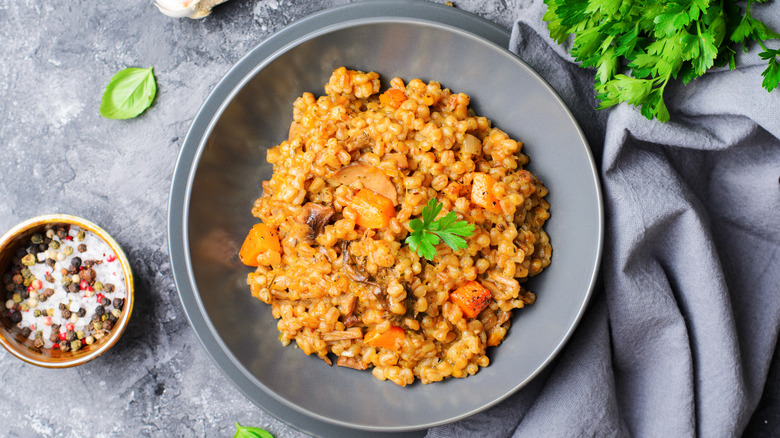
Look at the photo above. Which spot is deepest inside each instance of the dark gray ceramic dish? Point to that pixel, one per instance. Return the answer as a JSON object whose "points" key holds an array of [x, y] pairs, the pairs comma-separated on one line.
{"points": [[222, 163]]}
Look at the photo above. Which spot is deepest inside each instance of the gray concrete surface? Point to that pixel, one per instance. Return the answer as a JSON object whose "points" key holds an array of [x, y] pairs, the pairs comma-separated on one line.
{"points": [[58, 155]]}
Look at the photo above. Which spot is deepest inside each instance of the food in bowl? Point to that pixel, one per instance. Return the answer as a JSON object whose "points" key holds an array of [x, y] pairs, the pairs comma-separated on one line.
{"points": [[65, 289], [398, 230]]}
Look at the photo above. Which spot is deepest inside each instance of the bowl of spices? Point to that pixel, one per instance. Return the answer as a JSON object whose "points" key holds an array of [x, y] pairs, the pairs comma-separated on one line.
{"points": [[67, 291]]}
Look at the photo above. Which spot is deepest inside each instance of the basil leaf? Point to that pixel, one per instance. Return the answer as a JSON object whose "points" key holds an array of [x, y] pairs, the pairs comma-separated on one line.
{"points": [[251, 432], [129, 93]]}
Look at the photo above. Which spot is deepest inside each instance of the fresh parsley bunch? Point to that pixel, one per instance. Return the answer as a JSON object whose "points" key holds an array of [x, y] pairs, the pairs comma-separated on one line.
{"points": [[427, 231], [655, 41]]}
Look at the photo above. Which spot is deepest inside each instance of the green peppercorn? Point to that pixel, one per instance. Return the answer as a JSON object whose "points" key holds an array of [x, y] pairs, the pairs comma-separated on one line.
{"points": [[116, 312], [17, 298], [81, 235], [28, 260], [37, 313], [24, 306], [66, 281], [75, 345], [50, 233], [90, 340], [98, 286], [68, 250], [97, 325], [28, 281], [54, 244], [80, 334], [36, 238], [26, 272]]}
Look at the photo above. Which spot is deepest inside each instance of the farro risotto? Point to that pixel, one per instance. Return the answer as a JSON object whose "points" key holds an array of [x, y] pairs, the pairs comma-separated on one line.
{"points": [[398, 230]]}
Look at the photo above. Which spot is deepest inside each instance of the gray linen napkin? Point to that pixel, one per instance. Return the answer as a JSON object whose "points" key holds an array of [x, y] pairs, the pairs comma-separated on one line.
{"points": [[678, 339]]}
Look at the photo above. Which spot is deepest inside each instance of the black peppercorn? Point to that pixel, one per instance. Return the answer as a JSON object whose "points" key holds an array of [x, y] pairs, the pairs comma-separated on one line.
{"points": [[50, 262], [62, 233], [118, 303], [112, 317], [26, 332], [109, 287], [63, 306], [25, 294], [105, 302], [64, 345], [54, 337], [75, 261], [16, 317], [81, 312], [55, 328], [73, 288], [99, 311], [108, 324], [82, 247], [89, 263], [70, 336], [66, 313]]}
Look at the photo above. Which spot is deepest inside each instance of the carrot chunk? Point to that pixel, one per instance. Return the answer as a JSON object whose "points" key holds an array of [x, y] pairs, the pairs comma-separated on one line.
{"points": [[472, 298], [392, 98], [391, 339], [261, 238], [373, 210], [482, 193]]}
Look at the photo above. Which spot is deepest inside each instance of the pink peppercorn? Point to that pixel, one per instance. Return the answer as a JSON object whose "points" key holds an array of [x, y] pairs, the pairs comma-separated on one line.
{"points": [[69, 326], [37, 284], [84, 284], [47, 320], [100, 297], [62, 336], [111, 258]]}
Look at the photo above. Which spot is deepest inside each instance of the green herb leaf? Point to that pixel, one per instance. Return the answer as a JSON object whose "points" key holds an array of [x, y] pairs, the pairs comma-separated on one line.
{"points": [[637, 47], [772, 73], [427, 233], [251, 432], [128, 94]]}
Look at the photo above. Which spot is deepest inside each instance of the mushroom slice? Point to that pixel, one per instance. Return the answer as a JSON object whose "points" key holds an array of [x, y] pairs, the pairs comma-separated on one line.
{"points": [[371, 177], [316, 217], [351, 362]]}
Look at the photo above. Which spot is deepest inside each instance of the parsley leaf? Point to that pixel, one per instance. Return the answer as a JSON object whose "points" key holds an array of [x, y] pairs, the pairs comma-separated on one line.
{"points": [[428, 232], [637, 47]]}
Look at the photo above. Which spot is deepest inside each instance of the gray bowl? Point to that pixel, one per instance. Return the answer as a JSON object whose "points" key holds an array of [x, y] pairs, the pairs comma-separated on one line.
{"points": [[222, 163]]}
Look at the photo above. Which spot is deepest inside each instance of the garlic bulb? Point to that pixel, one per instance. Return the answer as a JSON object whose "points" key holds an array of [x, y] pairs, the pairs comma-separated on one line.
{"points": [[186, 8]]}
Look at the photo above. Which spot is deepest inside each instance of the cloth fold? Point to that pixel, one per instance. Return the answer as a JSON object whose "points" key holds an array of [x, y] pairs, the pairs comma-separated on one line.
{"points": [[679, 337]]}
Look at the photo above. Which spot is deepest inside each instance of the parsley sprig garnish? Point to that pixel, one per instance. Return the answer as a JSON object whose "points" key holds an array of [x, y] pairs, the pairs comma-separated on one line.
{"points": [[427, 232], [638, 46]]}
